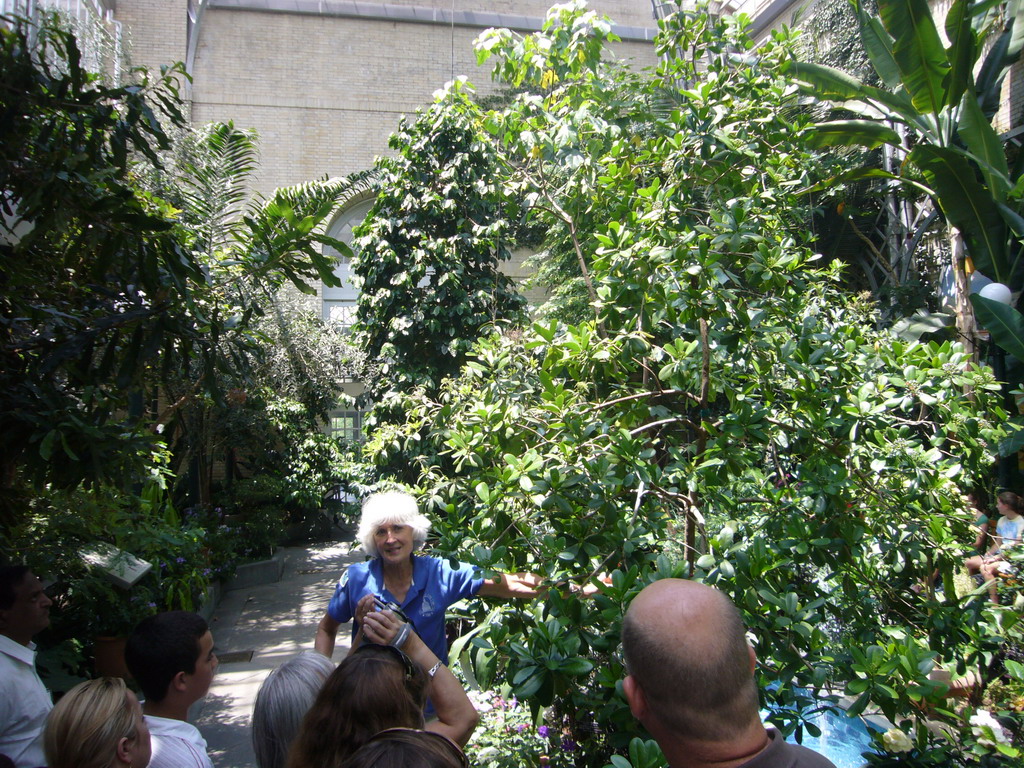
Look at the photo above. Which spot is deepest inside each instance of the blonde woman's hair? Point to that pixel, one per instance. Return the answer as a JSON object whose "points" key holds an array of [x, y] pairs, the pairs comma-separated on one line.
{"points": [[397, 508], [86, 725]]}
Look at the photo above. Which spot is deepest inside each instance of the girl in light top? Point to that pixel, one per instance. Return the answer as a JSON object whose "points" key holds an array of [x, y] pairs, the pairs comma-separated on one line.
{"points": [[1009, 533]]}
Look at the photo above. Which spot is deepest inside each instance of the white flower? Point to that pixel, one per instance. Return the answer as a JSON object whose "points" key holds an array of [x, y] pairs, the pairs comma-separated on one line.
{"points": [[987, 729], [481, 701], [896, 740]]}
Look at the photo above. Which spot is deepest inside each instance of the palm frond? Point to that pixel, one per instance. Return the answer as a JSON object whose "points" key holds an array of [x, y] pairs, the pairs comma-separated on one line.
{"points": [[215, 184]]}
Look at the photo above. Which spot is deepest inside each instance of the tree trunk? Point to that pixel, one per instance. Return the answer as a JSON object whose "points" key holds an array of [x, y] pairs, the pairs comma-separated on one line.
{"points": [[965, 324]]}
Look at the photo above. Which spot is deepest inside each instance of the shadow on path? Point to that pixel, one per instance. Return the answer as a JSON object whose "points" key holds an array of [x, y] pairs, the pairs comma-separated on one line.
{"points": [[274, 621]]}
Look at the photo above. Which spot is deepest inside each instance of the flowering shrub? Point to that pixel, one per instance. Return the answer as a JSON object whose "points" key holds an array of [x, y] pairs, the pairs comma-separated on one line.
{"points": [[508, 738], [234, 534], [896, 740], [987, 730]]}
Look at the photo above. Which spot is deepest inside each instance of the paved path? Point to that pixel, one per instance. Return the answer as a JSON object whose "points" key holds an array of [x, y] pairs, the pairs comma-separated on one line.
{"points": [[274, 621]]}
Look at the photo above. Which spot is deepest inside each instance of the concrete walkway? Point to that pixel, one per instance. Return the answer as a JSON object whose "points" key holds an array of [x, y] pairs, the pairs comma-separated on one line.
{"points": [[273, 622]]}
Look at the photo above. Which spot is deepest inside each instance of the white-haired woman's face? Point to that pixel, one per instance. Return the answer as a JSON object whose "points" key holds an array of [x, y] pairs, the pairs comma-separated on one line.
{"points": [[394, 542]]}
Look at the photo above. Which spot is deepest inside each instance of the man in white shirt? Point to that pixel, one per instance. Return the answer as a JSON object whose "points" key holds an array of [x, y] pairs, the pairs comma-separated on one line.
{"points": [[171, 657], [24, 700]]}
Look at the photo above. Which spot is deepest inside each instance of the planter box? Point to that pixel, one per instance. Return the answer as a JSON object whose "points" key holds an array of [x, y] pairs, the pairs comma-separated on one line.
{"points": [[214, 592], [255, 574]]}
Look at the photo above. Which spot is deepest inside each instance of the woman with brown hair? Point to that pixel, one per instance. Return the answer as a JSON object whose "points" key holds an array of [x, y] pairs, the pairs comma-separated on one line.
{"points": [[97, 724], [379, 686]]}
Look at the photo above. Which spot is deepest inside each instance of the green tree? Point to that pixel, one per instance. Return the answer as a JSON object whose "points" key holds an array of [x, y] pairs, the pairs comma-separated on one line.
{"points": [[106, 291], [429, 252], [936, 113], [90, 264], [232, 233], [728, 414], [274, 427]]}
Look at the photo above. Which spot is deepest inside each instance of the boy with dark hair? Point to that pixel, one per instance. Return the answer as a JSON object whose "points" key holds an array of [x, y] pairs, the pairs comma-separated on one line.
{"points": [[171, 657], [24, 700]]}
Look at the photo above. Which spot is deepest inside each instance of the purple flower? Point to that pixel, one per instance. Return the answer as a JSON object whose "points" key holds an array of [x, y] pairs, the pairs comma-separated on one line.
{"points": [[523, 726], [179, 560], [151, 605], [568, 745], [543, 731]]}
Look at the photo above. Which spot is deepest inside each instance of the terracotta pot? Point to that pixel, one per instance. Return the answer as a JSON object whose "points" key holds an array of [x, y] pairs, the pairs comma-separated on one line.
{"points": [[109, 657]]}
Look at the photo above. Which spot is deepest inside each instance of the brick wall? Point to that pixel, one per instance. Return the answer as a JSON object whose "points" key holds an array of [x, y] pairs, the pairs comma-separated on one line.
{"points": [[330, 108], [632, 12], [157, 31], [325, 92]]}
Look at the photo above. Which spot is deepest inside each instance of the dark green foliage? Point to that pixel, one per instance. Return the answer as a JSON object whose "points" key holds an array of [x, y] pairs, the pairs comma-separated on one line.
{"points": [[430, 248], [727, 414], [953, 154], [934, 110], [108, 291], [90, 292]]}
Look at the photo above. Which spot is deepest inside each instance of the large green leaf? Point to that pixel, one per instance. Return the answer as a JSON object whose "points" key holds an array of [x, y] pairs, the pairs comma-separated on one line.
{"points": [[1015, 257], [1015, 29], [864, 172], [921, 322], [967, 205], [827, 82], [878, 44], [918, 51], [1004, 323], [984, 143], [851, 133], [962, 52], [833, 85], [1008, 446], [1003, 54]]}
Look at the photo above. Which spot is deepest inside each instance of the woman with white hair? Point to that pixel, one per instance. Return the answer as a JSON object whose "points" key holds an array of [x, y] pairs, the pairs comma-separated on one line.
{"points": [[283, 700], [421, 588]]}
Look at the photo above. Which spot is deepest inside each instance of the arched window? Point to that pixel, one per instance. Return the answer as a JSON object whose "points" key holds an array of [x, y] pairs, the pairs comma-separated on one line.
{"points": [[339, 304]]}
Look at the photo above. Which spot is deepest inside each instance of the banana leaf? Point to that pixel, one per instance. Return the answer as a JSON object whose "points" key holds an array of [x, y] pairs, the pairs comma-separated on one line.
{"points": [[1004, 323], [917, 51], [968, 205], [878, 45], [850, 133]]}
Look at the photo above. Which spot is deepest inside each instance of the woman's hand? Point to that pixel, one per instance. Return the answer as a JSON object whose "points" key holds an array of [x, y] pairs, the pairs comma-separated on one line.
{"points": [[382, 627], [363, 607]]}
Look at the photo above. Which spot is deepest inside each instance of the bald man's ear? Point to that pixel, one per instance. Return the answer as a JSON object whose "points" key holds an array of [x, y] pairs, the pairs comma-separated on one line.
{"points": [[635, 697], [753, 658]]}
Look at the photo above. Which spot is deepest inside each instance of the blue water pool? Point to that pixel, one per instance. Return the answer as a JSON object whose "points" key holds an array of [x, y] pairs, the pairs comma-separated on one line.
{"points": [[842, 739]]}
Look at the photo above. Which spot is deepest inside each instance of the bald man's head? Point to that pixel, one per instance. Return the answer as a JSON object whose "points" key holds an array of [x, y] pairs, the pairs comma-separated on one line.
{"points": [[686, 648]]}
